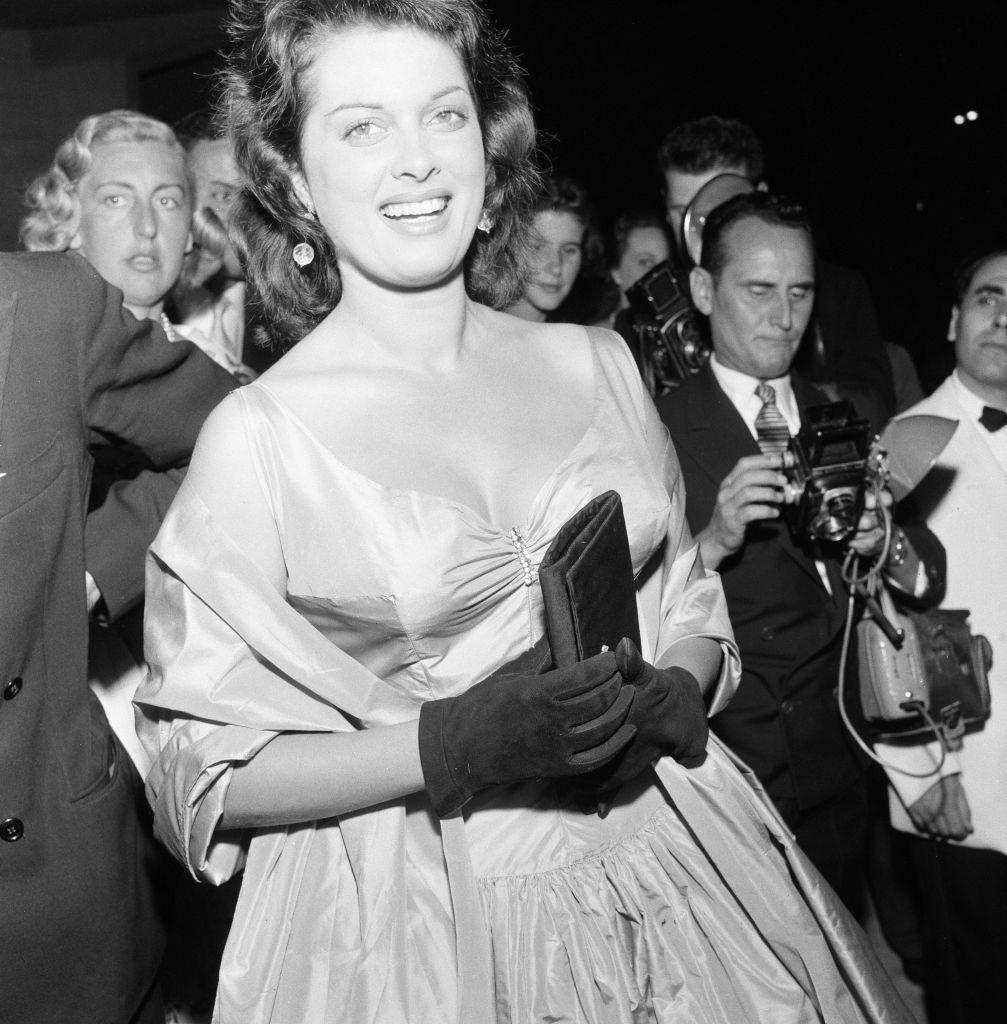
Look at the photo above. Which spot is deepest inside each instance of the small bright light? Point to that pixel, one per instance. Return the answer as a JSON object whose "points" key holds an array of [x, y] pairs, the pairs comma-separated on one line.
{"points": [[959, 119], [971, 115]]}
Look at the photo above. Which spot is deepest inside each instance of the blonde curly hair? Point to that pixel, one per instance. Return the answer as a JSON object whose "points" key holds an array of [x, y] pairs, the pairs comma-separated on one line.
{"points": [[52, 201]]}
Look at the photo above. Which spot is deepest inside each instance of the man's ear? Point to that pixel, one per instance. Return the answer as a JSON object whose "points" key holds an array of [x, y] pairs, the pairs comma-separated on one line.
{"points": [[616, 276], [701, 286], [953, 324], [189, 243]]}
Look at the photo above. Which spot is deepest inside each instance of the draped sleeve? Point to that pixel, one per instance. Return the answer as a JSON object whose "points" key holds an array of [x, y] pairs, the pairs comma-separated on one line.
{"points": [[230, 662]]}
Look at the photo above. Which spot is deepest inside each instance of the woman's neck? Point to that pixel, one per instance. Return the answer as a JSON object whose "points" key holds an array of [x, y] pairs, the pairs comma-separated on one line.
{"points": [[425, 327]]}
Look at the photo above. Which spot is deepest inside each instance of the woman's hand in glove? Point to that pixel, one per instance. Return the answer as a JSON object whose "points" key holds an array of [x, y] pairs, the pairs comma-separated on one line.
{"points": [[670, 719], [517, 725]]}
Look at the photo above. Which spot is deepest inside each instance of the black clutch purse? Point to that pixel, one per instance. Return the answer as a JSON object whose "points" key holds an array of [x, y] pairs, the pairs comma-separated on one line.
{"points": [[588, 585]]}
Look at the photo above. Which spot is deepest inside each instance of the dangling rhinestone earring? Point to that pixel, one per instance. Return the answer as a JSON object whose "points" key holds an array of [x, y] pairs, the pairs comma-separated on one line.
{"points": [[485, 224], [303, 254]]}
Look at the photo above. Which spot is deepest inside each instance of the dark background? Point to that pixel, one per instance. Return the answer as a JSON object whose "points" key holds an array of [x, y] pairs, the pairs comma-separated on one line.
{"points": [[854, 101]]}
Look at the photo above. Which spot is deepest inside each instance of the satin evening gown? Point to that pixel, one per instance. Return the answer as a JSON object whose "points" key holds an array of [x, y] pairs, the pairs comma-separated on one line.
{"points": [[687, 903]]}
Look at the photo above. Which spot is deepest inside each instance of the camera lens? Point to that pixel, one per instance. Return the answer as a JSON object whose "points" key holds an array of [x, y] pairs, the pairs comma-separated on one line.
{"points": [[837, 515]]}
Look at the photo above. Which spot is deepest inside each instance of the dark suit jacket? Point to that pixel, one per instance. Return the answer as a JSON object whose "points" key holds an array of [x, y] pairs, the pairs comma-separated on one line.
{"points": [[81, 935], [784, 720]]}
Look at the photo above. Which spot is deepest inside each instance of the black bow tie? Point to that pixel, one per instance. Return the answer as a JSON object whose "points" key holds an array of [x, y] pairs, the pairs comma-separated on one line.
{"points": [[993, 419]]}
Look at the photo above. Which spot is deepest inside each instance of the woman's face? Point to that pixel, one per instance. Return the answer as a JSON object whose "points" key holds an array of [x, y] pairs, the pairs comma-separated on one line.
{"points": [[392, 155], [135, 219], [645, 247], [559, 240]]}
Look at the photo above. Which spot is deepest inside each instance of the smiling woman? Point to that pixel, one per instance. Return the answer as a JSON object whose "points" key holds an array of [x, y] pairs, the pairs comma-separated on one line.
{"points": [[266, 108], [351, 695], [390, 164]]}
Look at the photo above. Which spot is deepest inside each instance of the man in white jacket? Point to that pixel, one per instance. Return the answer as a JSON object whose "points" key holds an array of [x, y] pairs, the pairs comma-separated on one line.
{"points": [[961, 863]]}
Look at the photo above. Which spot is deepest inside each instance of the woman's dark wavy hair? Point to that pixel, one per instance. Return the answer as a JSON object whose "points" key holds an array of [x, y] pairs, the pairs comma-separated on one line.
{"points": [[264, 105]]}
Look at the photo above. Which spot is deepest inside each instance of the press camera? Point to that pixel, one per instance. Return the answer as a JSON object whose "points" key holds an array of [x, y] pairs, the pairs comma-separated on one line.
{"points": [[829, 465], [668, 328]]}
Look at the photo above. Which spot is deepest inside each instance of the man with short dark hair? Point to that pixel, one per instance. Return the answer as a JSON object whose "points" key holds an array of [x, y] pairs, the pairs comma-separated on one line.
{"points": [[730, 423], [696, 152], [843, 352]]}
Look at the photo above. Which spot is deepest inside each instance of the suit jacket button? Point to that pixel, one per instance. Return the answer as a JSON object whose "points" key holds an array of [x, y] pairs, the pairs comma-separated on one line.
{"points": [[11, 830], [787, 707], [767, 633], [13, 688]]}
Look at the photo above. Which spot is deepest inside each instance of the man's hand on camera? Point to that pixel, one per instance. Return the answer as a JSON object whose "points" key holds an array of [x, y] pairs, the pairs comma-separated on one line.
{"points": [[753, 490], [870, 536]]}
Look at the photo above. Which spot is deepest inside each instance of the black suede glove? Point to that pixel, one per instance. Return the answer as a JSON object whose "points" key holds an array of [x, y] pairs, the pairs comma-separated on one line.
{"points": [[670, 719], [516, 725]]}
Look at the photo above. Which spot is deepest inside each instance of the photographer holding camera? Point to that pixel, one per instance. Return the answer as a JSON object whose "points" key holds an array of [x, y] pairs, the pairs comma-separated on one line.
{"points": [[731, 423], [844, 352]]}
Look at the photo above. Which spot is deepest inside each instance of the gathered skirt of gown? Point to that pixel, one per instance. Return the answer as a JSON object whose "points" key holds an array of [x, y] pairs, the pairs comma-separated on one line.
{"points": [[687, 903]]}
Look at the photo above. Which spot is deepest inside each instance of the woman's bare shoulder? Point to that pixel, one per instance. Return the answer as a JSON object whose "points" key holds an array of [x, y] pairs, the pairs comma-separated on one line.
{"points": [[559, 339]]}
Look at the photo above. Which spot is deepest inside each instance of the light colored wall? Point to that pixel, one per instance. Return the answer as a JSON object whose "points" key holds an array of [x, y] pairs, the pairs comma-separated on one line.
{"points": [[50, 80]]}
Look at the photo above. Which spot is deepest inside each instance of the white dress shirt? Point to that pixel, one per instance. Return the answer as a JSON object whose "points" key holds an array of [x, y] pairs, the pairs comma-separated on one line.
{"points": [[222, 322]]}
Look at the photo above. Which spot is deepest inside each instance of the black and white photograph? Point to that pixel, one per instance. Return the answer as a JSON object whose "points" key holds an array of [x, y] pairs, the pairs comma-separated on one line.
{"points": [[503, 512]]}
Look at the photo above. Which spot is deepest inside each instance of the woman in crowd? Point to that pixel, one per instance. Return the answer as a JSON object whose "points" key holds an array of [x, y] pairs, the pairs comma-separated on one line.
{"points": [[564, 281], [341, 596], [639, 243], [119, 192]]}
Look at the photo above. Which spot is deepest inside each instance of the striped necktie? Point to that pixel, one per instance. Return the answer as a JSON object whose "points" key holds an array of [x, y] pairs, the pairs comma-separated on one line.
{"points": [[770, 426]]}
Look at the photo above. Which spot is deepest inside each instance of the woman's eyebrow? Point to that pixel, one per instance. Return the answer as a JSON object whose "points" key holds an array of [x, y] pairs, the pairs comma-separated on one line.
{"points": [[371, 105]]}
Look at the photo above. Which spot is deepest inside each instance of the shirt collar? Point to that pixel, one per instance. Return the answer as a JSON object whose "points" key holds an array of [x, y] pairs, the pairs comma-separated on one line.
{"points": [[740, 389], [968, 400]]}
